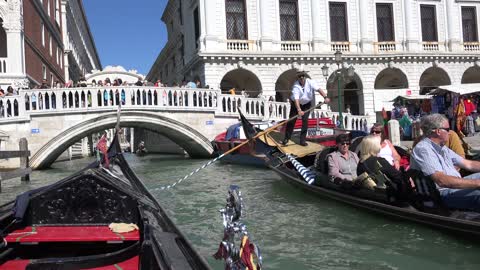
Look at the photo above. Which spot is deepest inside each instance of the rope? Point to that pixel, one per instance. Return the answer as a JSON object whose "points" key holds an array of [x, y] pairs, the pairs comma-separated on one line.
{"points": [[307, 174], [192, 173], [268, 130]]}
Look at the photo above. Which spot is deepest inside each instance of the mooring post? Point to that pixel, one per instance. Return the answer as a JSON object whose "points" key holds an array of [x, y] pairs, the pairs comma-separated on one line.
{"points": [[24, 159], [90, 145]]}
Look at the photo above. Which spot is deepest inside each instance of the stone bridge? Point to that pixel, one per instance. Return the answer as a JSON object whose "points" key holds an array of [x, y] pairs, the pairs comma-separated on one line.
{"points": [[54, 119]]}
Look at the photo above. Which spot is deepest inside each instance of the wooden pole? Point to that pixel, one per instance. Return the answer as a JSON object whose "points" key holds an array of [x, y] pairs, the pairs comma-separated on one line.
{"points": [[24, 159]]}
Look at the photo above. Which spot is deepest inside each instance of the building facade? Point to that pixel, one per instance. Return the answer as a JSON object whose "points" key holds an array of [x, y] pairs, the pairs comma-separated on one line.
{"points": [[396, 47], [80, 56], [36, 41]]}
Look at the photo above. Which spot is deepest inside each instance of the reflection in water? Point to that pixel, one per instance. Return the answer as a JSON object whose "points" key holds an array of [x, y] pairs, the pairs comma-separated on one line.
{"points": [[295, 230]]}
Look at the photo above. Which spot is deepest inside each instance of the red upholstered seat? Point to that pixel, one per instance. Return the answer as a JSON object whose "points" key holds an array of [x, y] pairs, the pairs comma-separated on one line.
{"points": [[130, 264], [15, 265], [69, 234]]}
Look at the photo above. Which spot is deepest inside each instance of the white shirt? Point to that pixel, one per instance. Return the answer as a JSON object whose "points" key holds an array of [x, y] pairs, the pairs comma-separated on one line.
{"points": [[304, 94]]}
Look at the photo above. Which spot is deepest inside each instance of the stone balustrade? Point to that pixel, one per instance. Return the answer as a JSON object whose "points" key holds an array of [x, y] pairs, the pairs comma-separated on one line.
{"points": [[99, 99], [3, 65]]}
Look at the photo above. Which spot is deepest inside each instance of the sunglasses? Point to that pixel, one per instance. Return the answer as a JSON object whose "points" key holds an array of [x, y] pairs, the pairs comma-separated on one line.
{"points": [[376, 131], [446, 129], [301, 76], [344, 143]]}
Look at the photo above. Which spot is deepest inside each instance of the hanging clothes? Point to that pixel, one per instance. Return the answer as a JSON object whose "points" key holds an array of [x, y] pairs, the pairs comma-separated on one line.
{"points": [[469, 106], [460, 116]]}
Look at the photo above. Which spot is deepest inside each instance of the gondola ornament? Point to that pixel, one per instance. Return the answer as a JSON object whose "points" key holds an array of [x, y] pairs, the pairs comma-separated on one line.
{"points": [[247, 256]]}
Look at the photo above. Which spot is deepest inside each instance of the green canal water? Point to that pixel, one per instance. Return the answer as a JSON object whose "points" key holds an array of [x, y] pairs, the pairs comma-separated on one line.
{"points": [[295, 230]]}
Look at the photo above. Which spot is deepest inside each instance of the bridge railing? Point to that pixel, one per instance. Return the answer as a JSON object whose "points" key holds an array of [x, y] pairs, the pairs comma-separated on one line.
{"points": [[61, 100], [108, 98], [253, 108]]}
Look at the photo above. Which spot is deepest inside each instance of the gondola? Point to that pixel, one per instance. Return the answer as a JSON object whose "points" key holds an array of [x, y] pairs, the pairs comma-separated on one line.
{"points": [[101, 217], [423, 205], [308, 171]]}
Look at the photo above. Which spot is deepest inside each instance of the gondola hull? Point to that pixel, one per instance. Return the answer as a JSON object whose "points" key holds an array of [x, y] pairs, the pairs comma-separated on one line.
{"points": [[88, 220], [408, 213]]}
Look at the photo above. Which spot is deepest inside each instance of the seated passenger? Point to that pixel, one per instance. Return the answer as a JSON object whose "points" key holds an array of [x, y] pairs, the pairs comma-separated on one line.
{"points": [[387, 150], [437, 161], [372, 164], [342, 164]]}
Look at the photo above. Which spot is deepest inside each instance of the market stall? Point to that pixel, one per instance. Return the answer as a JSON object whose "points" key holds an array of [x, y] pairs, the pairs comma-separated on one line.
{"points": [[459, 103]]}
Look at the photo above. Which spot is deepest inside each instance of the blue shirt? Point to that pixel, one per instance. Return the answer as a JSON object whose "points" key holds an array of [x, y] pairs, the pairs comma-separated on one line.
{"points": [[430, 158]]}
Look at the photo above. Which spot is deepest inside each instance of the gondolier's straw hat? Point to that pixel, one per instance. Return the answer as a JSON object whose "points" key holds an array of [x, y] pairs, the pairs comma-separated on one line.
{"points": [[301, 72]]}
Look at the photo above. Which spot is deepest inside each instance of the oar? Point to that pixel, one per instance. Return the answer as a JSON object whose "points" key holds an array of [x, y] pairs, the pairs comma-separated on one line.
{"points": [[235, 148]]}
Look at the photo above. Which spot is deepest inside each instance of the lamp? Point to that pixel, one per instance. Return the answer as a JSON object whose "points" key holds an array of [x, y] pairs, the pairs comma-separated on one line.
{"points": [[325, 71]]}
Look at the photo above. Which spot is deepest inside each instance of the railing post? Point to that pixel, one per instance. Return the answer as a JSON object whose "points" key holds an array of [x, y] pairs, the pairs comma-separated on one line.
{"points": [[23, 144], [394, 131]]}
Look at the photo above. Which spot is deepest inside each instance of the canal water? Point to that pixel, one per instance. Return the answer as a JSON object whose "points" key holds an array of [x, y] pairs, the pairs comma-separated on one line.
{"points": [[295, 230]]}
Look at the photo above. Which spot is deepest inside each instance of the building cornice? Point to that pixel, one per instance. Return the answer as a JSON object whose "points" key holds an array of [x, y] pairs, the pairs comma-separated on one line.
{"points": [[410, 57]]}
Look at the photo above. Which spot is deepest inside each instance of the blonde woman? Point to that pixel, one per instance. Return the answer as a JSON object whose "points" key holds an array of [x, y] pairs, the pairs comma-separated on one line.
{"points": [[372, 164]]}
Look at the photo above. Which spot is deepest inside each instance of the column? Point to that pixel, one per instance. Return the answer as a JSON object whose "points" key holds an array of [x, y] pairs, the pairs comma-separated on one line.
{"points": [[411, 37], [319, 14], [132, 141], [452, 27], [366, 43], [210, 15], [15, 52], [266, 38]]}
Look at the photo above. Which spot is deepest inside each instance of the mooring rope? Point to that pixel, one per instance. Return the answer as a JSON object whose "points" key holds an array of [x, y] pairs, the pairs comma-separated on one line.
{"points": [[192, 173], [307, 174]]}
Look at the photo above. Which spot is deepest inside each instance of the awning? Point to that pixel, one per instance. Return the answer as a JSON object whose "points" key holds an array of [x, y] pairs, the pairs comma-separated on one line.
{"points": [[411, 97], [462, 89]]}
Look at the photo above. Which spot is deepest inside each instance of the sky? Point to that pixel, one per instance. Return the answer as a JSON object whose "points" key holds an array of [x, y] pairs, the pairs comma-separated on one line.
{"points": [[127, 33]]}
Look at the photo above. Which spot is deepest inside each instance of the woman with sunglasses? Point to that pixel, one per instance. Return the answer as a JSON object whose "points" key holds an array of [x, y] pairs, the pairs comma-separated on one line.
{"points": [[303, 93], [387, 150], [342, 164]]}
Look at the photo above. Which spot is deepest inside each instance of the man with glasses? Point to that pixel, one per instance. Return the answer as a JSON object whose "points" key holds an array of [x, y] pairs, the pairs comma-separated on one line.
{"points": [[303, 93], [342, 164], [437, 161]]}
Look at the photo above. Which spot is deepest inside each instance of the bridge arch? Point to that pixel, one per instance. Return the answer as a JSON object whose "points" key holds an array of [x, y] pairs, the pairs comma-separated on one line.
{"points": [[193, 142]]}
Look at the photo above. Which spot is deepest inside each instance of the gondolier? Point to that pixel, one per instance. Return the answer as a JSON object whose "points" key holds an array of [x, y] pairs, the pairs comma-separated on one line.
{"points": [[303, 93]]}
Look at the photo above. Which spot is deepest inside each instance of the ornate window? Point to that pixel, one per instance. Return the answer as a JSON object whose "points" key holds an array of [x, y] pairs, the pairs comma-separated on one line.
{"points": [[289, 20], [429, 23], [469, 24], [236, 19], [338, 21], [385, 26]]}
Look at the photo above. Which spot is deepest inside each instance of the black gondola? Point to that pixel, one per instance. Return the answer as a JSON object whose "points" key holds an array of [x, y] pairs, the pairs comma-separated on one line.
{"points": [[66, 225], [424, 205]]}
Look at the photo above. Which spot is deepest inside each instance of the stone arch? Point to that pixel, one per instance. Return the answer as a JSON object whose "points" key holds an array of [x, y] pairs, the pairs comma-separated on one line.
{"points": [[471, 75], [193, 142], [284, 84], [3, 40], [391, 78], [351, 88], [240, 79], [433, 77]]}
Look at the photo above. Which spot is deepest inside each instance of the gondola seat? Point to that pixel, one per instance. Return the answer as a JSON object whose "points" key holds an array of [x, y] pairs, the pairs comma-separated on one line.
{"points": [[321, 162], [426, 196], [38, 234], [131, 263]]}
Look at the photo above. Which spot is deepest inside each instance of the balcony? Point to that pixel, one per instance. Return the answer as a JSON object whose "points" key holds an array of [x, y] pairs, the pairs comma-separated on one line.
{"points": [[291, 46], [340, 46], [431, 46], [385, 47], [240, 45], [471, 46]]}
